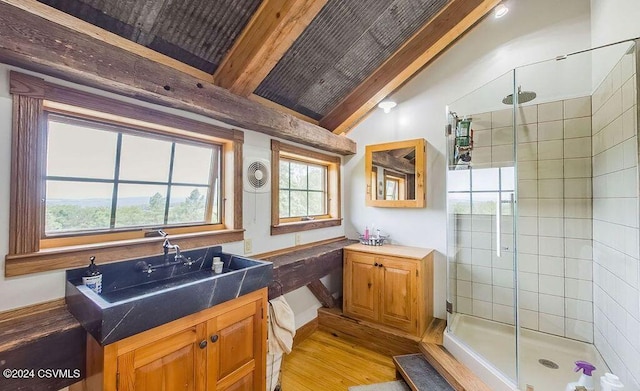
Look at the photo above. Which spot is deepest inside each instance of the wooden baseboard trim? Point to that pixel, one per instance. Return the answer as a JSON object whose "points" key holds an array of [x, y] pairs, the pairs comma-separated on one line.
{"points": [[459, 376], [435, 331], [305, 332], [378, 338], [31, 309]]}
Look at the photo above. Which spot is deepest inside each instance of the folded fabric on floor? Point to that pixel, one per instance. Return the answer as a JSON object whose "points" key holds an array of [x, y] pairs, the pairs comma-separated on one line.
{"points": [[398, 385]]}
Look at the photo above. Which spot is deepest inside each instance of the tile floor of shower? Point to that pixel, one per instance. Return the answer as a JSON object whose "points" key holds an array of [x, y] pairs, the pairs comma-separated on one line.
{"points": [[496, 343]]}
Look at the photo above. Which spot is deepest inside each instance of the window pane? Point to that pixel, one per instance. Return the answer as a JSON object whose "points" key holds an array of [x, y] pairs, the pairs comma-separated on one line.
{"points": [[484, 179], [192, 164], [316, 203], [284, 174], [298, 203], [76, 206], [316, 177], [484, 203], [458, 180], [144, 159], [284, 203], [507, 176], [298, 176], [140, 205], [80, 151], [187, 204]]}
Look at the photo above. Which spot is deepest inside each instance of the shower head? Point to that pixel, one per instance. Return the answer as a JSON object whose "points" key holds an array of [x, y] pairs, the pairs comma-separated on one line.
{"points": [[523, 97]]}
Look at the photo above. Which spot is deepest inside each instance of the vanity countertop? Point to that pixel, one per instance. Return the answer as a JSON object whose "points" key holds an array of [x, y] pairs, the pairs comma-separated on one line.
{"points": [[392, 250]]}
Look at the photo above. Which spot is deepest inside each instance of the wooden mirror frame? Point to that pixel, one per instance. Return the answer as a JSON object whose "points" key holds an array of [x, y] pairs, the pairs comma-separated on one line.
{"points": [[420, 198]]}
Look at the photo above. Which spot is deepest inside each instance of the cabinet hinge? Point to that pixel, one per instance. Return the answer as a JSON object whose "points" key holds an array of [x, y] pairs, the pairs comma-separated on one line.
{"points": [[261, 312], [416, 273], [117, 380]]}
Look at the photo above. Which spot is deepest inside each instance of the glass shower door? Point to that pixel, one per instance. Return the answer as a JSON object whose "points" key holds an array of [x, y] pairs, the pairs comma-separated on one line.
{"points": [[481, 178]]}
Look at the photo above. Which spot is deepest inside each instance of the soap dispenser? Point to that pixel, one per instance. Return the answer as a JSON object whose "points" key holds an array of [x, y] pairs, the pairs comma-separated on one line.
{"points": [[585, 380], [93, 277], [610, 382]]}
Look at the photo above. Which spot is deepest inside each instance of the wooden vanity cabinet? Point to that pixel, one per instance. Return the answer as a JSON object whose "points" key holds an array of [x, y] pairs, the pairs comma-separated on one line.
{"points": [[389, 285], [222, 348]]}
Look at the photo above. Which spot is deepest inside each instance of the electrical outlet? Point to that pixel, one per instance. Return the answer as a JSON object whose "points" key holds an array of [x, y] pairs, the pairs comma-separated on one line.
{"points": [[248, 246], [298, 239]]}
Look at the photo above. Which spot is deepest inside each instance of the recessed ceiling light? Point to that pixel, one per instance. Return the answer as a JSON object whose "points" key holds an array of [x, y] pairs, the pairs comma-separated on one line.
{"points": [[387, 105], [501, 10]]}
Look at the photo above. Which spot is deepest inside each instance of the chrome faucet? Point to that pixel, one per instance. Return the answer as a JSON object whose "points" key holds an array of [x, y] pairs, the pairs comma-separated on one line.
{"points": [[166, 246]]}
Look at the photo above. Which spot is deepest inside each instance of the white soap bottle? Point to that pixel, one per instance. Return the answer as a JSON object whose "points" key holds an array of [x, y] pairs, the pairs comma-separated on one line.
{"points": [[610, 382]]}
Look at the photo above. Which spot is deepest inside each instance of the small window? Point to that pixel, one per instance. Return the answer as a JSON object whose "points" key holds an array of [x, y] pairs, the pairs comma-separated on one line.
{"points": [[306, 184], [303, 189], [103, 178]]}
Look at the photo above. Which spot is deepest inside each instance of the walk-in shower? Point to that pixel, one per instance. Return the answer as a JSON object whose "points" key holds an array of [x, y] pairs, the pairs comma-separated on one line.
{"points": [[542, 202]]}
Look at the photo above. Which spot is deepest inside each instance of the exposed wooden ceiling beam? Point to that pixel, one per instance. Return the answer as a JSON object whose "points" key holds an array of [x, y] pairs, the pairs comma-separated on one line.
{"points": [[431, 40], [279, 107], [31, 42], [272, 30], [80, 26]]}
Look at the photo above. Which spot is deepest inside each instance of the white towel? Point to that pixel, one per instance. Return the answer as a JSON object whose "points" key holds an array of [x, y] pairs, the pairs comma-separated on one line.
{"points": [[282, 326]]}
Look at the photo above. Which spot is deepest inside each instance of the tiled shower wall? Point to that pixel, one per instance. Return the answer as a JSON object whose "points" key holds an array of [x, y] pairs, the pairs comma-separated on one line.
{"points": [[615, 222], [554, 203]]}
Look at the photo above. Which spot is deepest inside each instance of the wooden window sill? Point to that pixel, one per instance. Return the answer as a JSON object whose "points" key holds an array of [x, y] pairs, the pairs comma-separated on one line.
{"points": [[77, 256], [304, 226]]}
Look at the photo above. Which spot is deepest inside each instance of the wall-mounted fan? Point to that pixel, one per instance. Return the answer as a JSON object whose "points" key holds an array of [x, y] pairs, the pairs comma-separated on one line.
{"points": [[256, 175]]}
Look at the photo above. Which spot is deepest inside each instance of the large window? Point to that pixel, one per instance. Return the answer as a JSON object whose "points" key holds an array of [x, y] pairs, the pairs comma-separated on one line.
{"points": [[306, 186], [94, 176], [106, 178]]}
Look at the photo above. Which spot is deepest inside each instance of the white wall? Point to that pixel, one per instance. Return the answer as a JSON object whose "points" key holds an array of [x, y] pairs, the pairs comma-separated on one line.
{"points": [[22, 291], [528, 33]]}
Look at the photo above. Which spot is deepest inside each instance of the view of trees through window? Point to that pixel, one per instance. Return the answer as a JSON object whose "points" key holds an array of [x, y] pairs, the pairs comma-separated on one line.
{"points": [[101, 178], [302, 189]]}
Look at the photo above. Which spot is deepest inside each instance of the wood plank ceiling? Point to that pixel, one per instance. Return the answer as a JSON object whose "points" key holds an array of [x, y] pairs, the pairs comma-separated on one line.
{"points": [[328, 62]]}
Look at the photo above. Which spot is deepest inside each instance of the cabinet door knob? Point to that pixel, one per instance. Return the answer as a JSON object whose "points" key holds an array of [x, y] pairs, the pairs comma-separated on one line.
{"points": [[203, 344], [375, 264], [380, 265], [214, 338]]}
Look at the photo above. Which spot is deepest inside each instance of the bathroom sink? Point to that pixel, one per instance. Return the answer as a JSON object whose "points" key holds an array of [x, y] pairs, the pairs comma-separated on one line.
{"points": [[134, 300]]}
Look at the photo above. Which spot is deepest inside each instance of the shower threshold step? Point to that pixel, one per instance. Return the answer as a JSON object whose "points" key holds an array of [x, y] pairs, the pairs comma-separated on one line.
{"points": [[456, 374], [419, 374]]}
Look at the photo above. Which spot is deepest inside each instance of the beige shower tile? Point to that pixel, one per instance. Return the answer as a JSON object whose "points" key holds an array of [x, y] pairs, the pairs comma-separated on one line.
{"points": [[578, 107], [550, 188], [528, 170], [502, 118], [577, 168], [481, 138], [550, 149], [527, 114], [527, 133], [577, 147], [481, 121], [527, 151], [550, 111], [550, 169], [629, 93], [577, 127], [501, 136], [550, 130]]}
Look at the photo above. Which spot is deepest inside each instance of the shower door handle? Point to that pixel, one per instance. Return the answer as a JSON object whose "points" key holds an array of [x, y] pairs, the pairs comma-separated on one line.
{"points": [[511, 201], [498, 225]]}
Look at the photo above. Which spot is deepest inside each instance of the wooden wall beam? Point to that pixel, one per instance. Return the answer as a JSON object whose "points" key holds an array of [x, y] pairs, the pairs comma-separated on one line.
{"points": [[322, 294], [424, 46], [295, 269], [269, 34], [31, 42]]}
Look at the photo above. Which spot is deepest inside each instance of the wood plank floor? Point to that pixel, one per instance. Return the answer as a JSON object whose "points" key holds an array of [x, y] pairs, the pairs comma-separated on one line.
{"points": [[323, 362]]}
